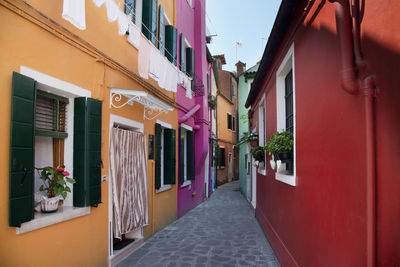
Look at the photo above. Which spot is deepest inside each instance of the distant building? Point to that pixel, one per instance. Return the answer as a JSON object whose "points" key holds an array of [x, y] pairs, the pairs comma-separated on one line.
{"points": [[247, 170], [227, 170]]}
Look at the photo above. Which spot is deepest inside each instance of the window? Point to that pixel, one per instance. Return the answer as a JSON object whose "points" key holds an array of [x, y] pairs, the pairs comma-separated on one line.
{"points": [[165, 156], [186, 57], [286, 113], [53, 142], [149, 20], [233, 124], [229, 120], [186, 155], [133, 9], [221, 157], [261, 134]]}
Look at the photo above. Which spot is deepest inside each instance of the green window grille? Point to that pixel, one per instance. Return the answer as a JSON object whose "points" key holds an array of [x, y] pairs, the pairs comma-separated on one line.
{"points": [[50, 115]]}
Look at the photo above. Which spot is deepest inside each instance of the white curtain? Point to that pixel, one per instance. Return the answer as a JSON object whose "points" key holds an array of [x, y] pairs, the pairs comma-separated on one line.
{"points": [[128, 168]]}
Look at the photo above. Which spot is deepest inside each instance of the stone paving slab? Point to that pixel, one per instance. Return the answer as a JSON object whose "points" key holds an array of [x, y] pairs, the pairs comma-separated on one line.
{"points": [[222, 231]]}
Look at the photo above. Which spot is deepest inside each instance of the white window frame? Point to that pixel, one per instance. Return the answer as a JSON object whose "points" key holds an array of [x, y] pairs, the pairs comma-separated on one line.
{"points": [[55, 86], [261, 134], [163, 187], [138, 13], [190, 3], [285, 67], [186, 182]]}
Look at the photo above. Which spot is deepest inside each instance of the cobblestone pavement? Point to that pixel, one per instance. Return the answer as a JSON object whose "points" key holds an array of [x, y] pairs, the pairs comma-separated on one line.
{"points": [[222, 231]]}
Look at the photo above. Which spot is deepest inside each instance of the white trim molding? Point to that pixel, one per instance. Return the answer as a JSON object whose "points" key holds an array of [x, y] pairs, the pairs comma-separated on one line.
{"points": [[286, 66]]}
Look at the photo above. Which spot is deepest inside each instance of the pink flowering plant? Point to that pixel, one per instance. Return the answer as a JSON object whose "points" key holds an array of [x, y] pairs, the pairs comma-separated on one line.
{"points": [[55, 181]]}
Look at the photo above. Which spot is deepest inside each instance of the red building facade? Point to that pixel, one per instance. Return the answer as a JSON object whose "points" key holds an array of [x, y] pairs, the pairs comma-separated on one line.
{"points": [[341, 205]]}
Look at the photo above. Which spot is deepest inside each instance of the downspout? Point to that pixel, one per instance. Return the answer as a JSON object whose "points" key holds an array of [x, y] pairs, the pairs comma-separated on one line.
{"points": [[189, 114], [364, 82]]}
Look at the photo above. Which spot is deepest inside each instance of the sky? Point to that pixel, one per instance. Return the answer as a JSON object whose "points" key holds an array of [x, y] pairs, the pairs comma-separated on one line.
{"points": [[248, 21]]}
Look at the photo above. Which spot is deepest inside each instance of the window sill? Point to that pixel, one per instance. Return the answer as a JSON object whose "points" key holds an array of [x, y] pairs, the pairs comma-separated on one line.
{"points": [[42, 220], [164, 188], [286, 178], [262, 171], [186, 183]]}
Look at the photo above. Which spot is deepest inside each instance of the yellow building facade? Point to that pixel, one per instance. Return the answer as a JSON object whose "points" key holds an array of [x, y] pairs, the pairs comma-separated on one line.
{"points": [[38, 43]]}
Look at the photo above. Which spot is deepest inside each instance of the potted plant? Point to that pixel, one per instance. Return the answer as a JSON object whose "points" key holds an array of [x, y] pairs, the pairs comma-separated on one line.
{"points": [[258, 153], [253, 139], [55, 185], [280, 147]]}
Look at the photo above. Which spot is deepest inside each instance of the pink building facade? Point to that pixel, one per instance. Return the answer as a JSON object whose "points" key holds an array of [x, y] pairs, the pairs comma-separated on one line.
{"points": [[192, 103]]}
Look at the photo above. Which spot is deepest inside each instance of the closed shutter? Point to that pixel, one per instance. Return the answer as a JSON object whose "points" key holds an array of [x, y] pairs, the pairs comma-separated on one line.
{"points": [[22, 144], [190, 61], [149, 20], [181, 155], [157, 174], [50, 115], [182, 56], [170, 43], [87, 152], [190, 155], [169, 156], [161, 30]]}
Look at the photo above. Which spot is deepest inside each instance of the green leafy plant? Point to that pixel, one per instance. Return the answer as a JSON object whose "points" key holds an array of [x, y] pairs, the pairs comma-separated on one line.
{"points": [[258, 153], [280, 142], [55, 181]]}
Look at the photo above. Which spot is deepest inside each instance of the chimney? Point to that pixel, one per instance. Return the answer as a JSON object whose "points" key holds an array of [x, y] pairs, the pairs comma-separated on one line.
{"points": [[240, 68]]}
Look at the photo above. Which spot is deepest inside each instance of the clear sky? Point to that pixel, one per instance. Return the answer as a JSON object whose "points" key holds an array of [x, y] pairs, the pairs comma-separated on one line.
{"points": [[248, 21]]}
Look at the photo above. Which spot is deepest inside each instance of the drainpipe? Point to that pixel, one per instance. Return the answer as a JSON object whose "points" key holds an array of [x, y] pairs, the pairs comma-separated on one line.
{"points": [[189, 114], [349, 34]]}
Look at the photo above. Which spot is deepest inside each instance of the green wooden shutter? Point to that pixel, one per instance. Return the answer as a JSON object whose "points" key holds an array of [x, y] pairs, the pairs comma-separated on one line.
{"points": [[149, 20], [169, 156], [190, 61], [22, 152], [94, 150], [190, 155], [157, 174], [182, 156], [87, 152], [182, 56], [161, 30], [170, 43]]}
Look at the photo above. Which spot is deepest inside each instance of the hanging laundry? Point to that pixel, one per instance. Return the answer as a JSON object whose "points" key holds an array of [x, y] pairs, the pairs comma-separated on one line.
{"points": [[123, 23], [144, 57], [99, 3], [74, 12], [188, 86], [134, 35], [162, 81], [112, 10], [155, 62]]}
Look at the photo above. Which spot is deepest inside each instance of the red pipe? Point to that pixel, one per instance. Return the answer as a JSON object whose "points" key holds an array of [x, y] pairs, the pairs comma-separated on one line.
{"points": [[350, 82], [349, 34]]}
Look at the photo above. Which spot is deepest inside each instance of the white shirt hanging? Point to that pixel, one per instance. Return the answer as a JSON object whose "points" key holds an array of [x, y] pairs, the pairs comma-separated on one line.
{"points": [[74, 12], [112, 10], [123, 23]]}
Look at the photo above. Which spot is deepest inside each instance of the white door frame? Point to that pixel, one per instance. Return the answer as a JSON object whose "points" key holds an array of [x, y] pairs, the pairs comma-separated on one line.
{"points": [[135, 126]]}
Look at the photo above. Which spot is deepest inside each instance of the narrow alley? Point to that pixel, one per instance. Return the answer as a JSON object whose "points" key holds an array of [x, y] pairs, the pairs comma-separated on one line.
{"points": [[222, 231]]}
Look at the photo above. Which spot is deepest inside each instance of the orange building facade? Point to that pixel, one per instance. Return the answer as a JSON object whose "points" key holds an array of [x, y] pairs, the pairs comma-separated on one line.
{"points": [[94, 63]]}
